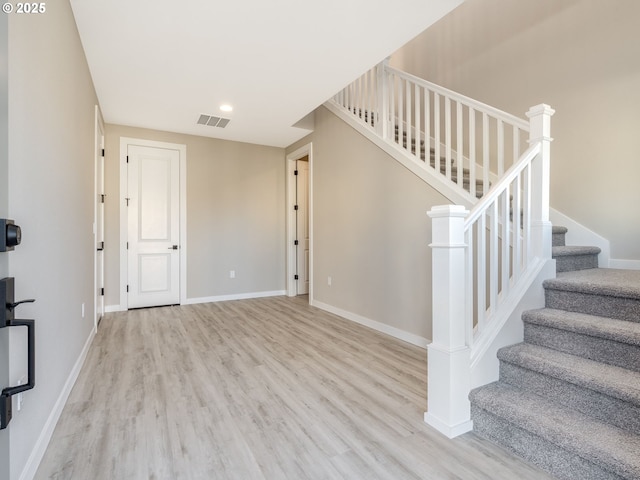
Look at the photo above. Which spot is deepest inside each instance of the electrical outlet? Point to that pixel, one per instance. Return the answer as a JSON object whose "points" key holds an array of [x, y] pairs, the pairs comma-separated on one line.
{"points": [[329, 281], [232, 274]]}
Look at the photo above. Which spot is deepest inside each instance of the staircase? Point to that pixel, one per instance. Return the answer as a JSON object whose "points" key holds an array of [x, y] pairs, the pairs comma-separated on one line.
{"points": [[442, 163], [568, 398]]}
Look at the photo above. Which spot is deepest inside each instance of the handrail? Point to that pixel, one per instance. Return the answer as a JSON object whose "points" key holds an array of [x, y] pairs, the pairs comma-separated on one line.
{"points": [[507, 117], [497, 189]]}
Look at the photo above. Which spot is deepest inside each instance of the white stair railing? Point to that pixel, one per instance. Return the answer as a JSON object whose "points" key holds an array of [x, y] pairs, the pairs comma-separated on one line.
{"points": [[483, 261], [466, 141]]}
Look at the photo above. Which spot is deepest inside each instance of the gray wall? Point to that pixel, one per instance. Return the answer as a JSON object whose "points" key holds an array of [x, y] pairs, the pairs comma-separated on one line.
{"points": [[579, 56], [235, 214], [370, 229], [50, 194]]}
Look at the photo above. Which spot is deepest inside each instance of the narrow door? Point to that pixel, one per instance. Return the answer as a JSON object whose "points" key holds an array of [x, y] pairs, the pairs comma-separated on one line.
{"points": [[302, 225], [99, 267], [153, 226]]}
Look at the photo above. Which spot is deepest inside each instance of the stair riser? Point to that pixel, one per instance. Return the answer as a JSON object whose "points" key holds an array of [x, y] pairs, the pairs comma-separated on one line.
{"points": [[572, 263], [595, 404], [558, 240], [599, 305], [536, 450], [585, 346]]}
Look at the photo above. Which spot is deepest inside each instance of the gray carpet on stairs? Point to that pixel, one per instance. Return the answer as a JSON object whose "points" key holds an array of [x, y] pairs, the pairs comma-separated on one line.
{"points": [[606, 340], [600, 291], [559, 439], [568, 398]]}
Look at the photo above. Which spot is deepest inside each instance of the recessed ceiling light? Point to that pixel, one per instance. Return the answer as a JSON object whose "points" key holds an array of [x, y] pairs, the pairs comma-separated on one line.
{"points": [[226, 108]]}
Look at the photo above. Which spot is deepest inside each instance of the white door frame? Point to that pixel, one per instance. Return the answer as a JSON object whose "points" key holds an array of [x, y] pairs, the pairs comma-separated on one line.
{"points": [[124, 144], [306, 150], [98, 149]]}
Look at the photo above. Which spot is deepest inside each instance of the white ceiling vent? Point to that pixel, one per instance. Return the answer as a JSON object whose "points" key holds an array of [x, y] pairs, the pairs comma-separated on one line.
{"points": [[213, 121]]}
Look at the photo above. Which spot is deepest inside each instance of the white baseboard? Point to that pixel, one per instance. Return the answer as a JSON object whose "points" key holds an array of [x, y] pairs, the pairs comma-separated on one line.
{"points": [[624, 264], [235, 296], [448, 431], [31, 467], [375, 325], [113, 308]]}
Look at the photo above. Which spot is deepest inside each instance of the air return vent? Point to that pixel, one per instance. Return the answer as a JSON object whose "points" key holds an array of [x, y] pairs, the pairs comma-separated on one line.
{"points": [[213, 121]]}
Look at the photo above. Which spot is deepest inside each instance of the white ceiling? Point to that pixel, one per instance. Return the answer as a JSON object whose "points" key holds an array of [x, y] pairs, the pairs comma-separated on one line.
{"points": [[159, 64]]}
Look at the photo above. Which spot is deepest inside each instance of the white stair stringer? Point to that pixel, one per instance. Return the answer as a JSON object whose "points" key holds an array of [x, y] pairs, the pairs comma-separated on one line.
{"points": [[456, 194]]}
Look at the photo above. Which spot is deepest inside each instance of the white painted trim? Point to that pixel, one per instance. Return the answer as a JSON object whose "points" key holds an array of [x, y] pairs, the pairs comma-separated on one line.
{"points": [[234, 296], [124, 143], [578, 234], [113, 308], [411, 338], [624, 264], [98, 141], [445, 429], [306, 150], [40, 447]]}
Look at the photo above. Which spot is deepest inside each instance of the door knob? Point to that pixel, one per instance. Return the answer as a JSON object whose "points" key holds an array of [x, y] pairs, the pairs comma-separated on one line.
{"points": [[174, 247]]}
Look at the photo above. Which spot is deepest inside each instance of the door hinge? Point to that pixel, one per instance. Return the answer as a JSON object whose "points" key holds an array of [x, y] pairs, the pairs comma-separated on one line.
{"points": [[295, 277], [127, 288], [102, 291], [295, 172], [295, 207], [103, 152], [127, 245], [295, 242], [127, 158], [102, 195], [100, 246], [127, 199]]}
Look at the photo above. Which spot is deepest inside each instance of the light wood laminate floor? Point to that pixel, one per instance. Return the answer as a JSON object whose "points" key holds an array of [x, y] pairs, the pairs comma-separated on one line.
{"points": [[257, 389]]}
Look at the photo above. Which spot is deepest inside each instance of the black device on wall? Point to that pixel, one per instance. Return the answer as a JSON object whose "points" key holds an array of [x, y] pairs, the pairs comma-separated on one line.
{"points": [[10, 235], [7, 319]]}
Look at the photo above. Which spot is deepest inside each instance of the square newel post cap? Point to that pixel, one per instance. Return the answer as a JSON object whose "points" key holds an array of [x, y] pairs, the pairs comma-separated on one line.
{"points": [[542, 109], [440, 211]]}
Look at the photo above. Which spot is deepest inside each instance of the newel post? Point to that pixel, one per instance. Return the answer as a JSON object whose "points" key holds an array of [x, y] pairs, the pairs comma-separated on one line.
{"points": [[540, 131], [383, 98], [448, 354]]}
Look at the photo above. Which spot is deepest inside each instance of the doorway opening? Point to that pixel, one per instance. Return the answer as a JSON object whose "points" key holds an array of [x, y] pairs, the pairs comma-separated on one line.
{"points": [[300, 222]]}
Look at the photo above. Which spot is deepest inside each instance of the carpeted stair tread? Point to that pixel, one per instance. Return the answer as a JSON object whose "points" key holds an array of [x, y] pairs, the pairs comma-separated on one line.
{"points": [[610, 380], [582, 323], [599, 281], [558, 229], [564, 250], [611, 448]]}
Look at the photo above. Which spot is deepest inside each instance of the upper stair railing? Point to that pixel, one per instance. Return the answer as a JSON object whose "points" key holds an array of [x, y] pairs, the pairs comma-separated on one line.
{"points": [[464, 140], [484, 260]]}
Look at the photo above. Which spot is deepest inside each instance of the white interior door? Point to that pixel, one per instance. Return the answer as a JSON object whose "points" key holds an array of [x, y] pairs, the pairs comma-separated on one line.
{"points": [[302, 226], [99, 221], [153, 226]]}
